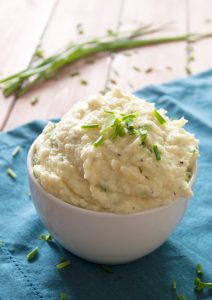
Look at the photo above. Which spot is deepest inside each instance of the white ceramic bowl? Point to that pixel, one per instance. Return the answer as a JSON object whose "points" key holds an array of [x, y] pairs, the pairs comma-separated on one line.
{"points": [[100, 237]]}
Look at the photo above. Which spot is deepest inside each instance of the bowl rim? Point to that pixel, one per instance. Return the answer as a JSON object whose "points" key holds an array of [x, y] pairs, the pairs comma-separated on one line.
{"points": [[93, 212]]}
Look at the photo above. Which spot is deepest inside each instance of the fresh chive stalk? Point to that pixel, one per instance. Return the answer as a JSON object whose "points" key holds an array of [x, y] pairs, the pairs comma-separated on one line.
{"points": [[157, 152], [11, 173], [158, 116], [46, 237], [21, 82], [174, 285], [89, 126], [16, 151], [31, 255], [199, 269], [200, 285], [99, 141], [63, 264]]}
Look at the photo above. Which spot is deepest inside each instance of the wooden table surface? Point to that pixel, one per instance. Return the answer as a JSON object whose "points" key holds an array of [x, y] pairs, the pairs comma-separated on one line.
{"points": [[52, 23]]}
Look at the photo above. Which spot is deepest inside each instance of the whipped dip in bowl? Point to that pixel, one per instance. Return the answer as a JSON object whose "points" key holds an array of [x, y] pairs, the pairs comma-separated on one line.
{"points": [[112, 179]]}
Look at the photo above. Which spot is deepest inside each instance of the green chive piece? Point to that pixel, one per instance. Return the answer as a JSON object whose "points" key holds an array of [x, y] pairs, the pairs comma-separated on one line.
{"points": [[174, 285], [11, 173], [149, 70], [181, 297], [199, 269], [110, 32], [63, 264], [46, 237], [83, 82], [75, 73], [106, 269], [113, 81], [39, 53], [200, 285], [16, 151], [99, 141], [90, 126], [143, 134], [63, 296], [156, 151], [32, 254], [34, 101], [188, 70], [137, 69], [158, 116], [1, 243]]}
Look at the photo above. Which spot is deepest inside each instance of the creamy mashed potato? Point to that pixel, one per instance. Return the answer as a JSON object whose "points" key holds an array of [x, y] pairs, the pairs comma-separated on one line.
{"points": [[116, 153]]}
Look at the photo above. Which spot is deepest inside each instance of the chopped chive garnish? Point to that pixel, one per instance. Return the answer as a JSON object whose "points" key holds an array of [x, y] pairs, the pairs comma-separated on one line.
{"points": [[32, 254], [156, 151], [75, 73], [181, 297], [143, 134], [106, 269], [11, 173], [199, 269], [188, 70], [137, 69], [34, 101], [63, 264], [63, 296], [90, 126], [46, 237], [110, 32], [149, 70], [191, 58], [158, 116], [1, 243], [83, 82], [113, 81], [174, 285], [200, 285], [39, 53], [99, 141], [16, 151]]}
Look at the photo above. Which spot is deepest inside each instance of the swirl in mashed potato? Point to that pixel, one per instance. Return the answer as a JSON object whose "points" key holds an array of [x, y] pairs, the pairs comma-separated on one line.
{"points": [[126, 172]]}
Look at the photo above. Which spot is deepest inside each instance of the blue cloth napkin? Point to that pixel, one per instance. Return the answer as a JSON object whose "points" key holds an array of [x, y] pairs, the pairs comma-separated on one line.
{"points": [[149, 278]]}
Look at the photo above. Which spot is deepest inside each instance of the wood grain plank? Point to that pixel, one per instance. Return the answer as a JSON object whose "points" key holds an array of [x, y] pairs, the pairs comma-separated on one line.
{"points": [[167, 61], [56, 96], [21, 23], [200, 20]]}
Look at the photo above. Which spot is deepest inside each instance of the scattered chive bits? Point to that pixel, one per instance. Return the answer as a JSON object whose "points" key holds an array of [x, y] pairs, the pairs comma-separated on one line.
{"points": [[1, 243], [174, 285], [34, 101], [199, 269], [110, 32], [149, 70], [106, 269], [16, 151], [74, 73], [39, 53], [157, 152], [46, 237], [136, 69], [31, 255], [158, 116], [63, 264], [83, 82], [63, 296], [11, 173], [90, 126]]}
